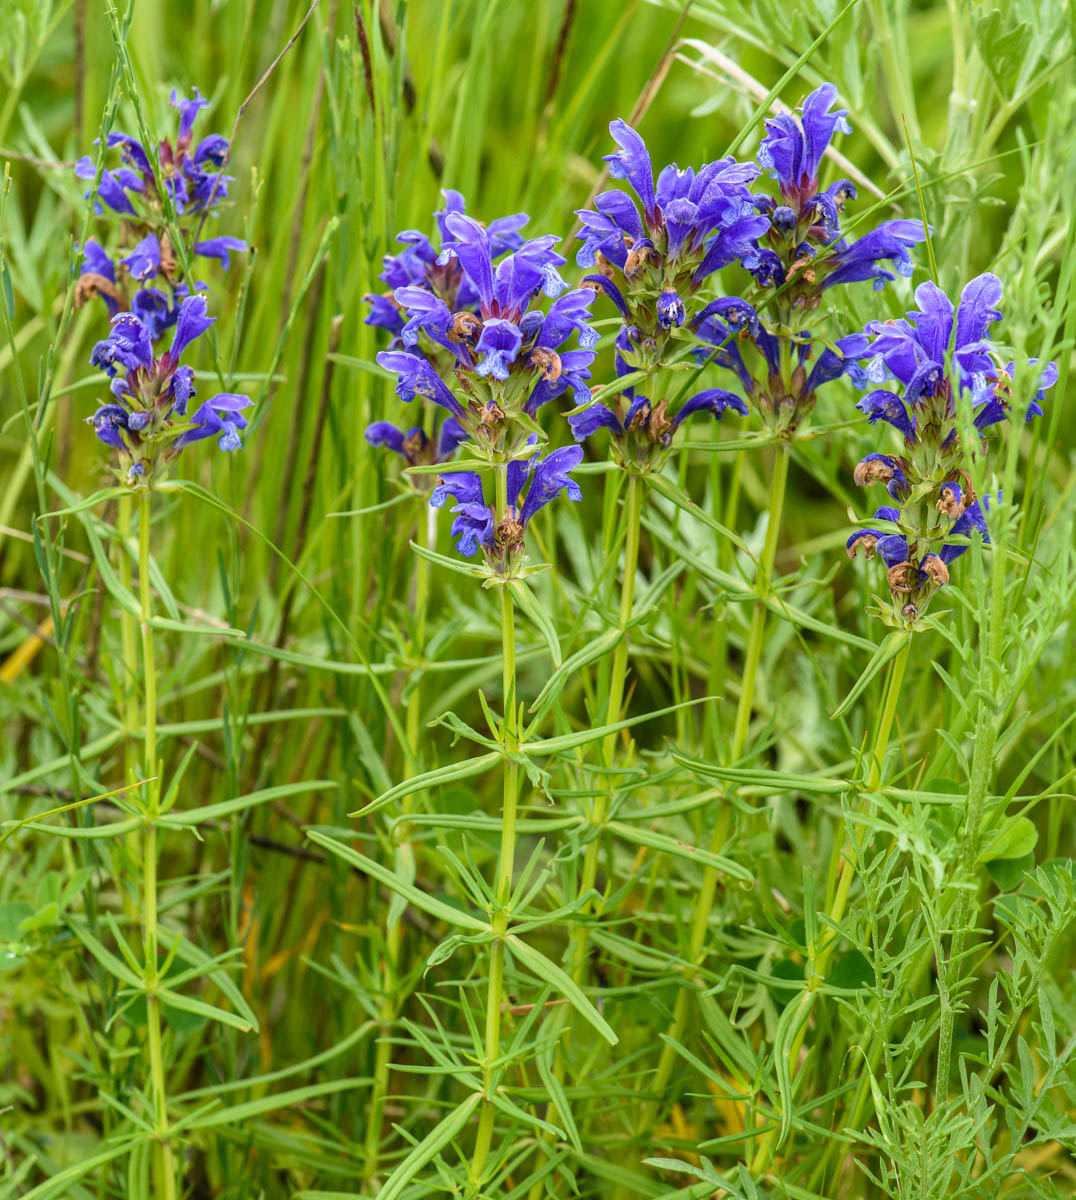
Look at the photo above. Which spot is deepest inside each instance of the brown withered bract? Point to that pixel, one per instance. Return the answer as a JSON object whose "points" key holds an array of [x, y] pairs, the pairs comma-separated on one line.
{"points": [[637, 259], [548, 362], [169, 266], [950, 502], [936, 569], [91, 284], [464, 327], [898, 577], [509, 532], [874, 471], [867, 544], [659, 425]]}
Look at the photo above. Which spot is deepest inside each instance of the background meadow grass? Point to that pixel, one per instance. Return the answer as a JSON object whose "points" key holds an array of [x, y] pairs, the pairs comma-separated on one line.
{"points": [[372, 110]]}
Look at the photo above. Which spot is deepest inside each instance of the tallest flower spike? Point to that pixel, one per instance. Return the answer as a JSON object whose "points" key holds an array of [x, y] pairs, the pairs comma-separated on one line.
{"points": [[802, 255], [505, 358], [793, 149]]}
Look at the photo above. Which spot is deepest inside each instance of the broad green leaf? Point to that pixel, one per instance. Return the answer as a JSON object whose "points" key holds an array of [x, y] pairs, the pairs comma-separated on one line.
{"points": [[1016, 839]]}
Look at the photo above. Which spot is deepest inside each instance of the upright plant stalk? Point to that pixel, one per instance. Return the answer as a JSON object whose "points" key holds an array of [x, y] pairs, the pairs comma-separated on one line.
{"points": [[128, 634], [752, 657], [986, 733], [502, 889], [615, 699], [390, 1000], [617, 680], [819, 961], [165, 1163]]}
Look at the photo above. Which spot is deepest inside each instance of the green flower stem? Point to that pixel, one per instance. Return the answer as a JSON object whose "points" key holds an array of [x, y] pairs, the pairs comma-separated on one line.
{"points": [[165, 1163], [128, 635], [819, 961], [615, 699], [390, 998], [963, 913], [502, 893], [753, 654], [618, 678]]}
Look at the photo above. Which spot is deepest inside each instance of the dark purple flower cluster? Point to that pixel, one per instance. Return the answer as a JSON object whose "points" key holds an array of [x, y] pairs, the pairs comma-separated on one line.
{"points": [[150, 417], [801, 255], [500, 534], [187, 181], [469, 337], [933, 358], [652, 263]]}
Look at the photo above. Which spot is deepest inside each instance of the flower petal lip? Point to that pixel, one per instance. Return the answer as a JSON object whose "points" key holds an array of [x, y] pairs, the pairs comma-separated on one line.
{"points": [[632, 162], [192, 322]]}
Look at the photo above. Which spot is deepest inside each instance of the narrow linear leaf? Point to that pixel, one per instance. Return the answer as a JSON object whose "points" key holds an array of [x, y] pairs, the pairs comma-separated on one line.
{"points": [[433, 1143], [668, 845], [548, 971], [429, 779], [444, 912]]}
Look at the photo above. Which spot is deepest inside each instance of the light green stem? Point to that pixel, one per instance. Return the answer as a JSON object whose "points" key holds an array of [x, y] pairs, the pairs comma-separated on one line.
{"points": [[820, 954], [502, 892], [614, 703], [617, 680], [752, 657], [963, 914], [164, 1160], [128, 637], [390, 999]]}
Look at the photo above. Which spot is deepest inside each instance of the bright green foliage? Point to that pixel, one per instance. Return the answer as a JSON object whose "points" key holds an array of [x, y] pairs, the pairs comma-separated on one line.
{"points": [[877, 999]]}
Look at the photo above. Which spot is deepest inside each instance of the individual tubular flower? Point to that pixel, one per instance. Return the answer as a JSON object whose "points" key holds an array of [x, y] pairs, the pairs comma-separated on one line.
{"points": [[189, 176], [505, 359], [931, 356], [500, 535], [414, 445], [97, 277], [642, 431], [149, 418], [692, 224]]}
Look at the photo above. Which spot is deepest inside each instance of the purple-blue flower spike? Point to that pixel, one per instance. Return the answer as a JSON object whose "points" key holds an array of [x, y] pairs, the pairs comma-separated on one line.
{"points": [[926, 360]]}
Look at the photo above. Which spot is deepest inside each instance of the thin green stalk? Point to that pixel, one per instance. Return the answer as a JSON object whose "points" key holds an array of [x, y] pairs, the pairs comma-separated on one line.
{"points": [[128, 638], [502, 893], [633, 522], [820, 956], [391, 1000], [165, 1163], [963, 914], [753, 654], [982, 764]]}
